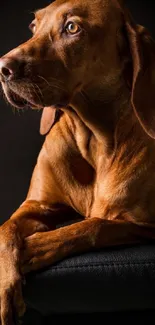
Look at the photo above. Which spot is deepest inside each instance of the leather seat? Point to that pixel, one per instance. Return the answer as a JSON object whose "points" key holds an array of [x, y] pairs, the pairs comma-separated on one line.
{"points": [[121, 279]]}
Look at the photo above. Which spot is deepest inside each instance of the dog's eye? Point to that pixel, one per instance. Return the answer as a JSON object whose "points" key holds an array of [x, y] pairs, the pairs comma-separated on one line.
{"points": [[32, 27], [72, 28]]}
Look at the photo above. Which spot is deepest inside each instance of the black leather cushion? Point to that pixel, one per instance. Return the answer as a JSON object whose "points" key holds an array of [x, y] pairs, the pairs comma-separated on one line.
{"points": [[109, 280]]}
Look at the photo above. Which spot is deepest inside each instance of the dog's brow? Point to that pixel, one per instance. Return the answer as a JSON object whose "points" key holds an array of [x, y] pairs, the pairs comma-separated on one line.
{"points": [[38, 13], [75, 12]]}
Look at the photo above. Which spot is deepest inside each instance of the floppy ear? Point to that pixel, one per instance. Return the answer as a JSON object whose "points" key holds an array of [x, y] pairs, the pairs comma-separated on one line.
{"points": [[142, 49]]}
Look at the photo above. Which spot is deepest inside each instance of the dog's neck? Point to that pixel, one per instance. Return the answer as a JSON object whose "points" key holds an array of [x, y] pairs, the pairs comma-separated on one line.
{"points": [[110, 118], [100, 109]]}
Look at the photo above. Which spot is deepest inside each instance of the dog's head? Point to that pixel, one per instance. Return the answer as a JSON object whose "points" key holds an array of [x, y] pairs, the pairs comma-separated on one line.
{"points": [[75, 42]]}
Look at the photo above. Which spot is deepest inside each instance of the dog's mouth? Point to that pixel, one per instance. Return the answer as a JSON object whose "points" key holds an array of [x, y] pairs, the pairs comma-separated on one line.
{"points": [[21, 95], [17, 100]]}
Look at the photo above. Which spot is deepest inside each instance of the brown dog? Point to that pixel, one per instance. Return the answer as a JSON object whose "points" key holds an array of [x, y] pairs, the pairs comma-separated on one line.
{"points": [[91, 63]]}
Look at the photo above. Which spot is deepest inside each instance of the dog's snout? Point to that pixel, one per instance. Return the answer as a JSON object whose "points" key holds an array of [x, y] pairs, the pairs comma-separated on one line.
{"points": [[8, 68], [5, 70]]}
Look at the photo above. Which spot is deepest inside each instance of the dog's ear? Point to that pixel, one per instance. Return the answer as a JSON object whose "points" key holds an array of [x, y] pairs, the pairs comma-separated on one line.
{"points": [[142, 51], [47, 119]]}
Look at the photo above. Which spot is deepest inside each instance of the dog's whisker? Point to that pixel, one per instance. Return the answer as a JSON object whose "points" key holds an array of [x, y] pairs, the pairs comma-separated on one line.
{"points": [[38, 89], [85, 97], [37, 94], [57, 87], [33, 89], [57, 81], [43, 79]]}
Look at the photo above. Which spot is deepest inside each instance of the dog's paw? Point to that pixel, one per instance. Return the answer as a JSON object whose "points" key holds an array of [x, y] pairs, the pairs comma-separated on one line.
{"points": [[12, 306]]}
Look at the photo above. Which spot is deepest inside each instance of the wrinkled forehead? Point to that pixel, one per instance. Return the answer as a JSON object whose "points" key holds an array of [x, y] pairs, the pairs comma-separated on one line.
{"points": [[94, 11]]}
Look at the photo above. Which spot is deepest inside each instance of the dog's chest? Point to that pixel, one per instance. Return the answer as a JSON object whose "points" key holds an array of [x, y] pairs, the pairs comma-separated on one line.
{"points": [[126, 191]]}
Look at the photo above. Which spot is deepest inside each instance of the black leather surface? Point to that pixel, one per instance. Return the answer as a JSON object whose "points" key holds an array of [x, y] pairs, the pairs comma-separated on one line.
{"points": [[109, 280]]}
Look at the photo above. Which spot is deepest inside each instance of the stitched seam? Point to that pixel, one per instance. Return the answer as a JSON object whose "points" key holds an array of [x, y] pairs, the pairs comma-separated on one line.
{"points": [[104, 265]]}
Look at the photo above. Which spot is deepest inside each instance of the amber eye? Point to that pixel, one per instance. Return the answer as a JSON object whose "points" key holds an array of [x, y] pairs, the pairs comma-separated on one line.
{"points": [[72, 28]]}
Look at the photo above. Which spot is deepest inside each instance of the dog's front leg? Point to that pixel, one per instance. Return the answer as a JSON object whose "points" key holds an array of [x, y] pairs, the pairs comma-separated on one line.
{"points": [[42, 211], [30, 218], [43, 249]]}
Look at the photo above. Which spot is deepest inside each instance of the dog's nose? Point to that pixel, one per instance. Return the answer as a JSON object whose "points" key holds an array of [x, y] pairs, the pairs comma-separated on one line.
{"points": [[8, 68]]}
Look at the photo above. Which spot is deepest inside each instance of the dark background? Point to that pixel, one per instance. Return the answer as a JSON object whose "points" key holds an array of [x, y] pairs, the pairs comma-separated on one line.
{"points": [[20, 141]]}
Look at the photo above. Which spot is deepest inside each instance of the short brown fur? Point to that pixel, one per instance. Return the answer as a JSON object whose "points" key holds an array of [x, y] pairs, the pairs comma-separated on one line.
{"points": [[96, 167]]}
